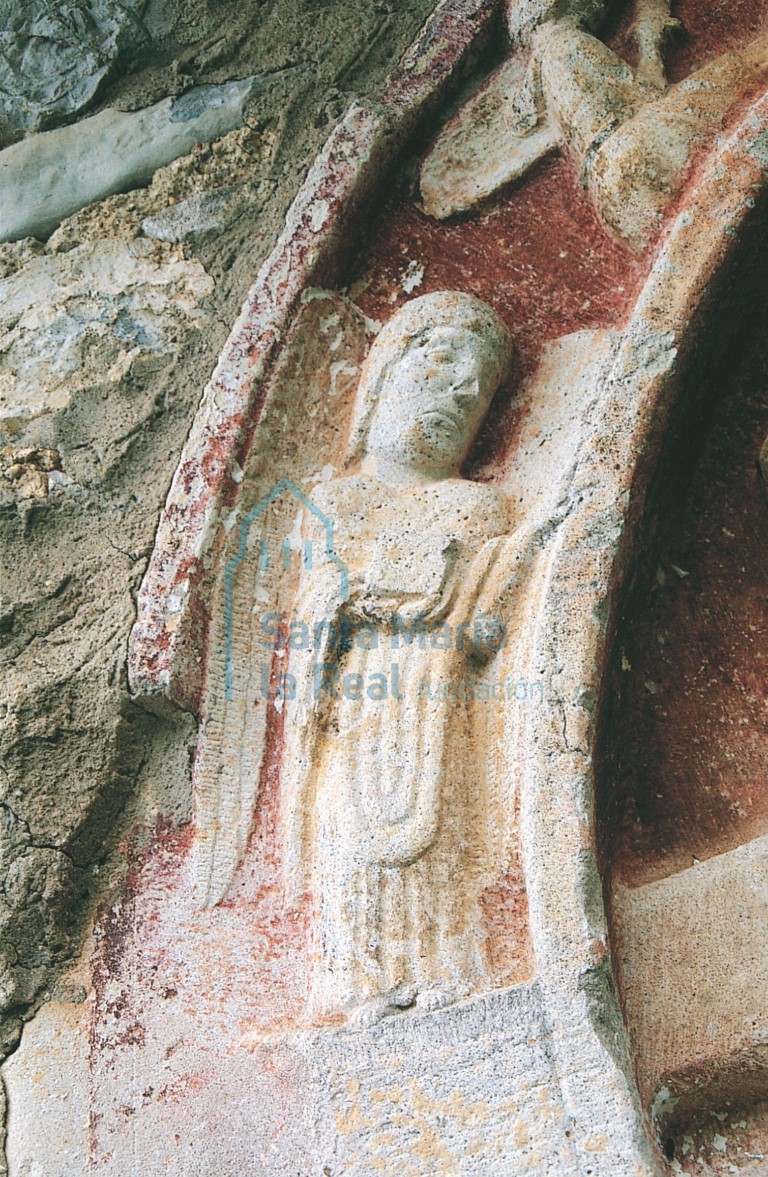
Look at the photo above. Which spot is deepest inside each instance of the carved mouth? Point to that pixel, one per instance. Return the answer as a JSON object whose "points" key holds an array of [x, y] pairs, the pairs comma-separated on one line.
{"points": [[445, 416]]}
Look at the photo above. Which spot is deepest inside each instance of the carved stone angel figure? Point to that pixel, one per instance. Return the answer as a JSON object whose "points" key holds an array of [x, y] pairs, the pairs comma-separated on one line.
{"points": [[631, 136], [391, 819]]}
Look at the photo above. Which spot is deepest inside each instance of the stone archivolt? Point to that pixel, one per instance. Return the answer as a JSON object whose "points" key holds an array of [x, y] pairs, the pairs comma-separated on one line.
{"points": [[382, 882], [397, 820]]}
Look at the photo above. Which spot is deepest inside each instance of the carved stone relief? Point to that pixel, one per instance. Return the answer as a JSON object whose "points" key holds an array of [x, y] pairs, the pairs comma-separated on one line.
{"points": [[387, 810], [388, 583], [631, 137], [394, 820]]}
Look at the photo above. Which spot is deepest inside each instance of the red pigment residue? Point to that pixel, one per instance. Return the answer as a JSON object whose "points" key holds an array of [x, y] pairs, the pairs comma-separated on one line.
{"points": [[539, 257], [228, 971], [699, 1148], [440, 46], [688, 760], [542, 260], [182, 984], [710, 28], [508, 941]]}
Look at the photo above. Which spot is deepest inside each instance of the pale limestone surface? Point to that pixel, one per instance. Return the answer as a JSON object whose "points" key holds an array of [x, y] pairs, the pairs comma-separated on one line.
{"points": [[386, 816], [71, 740], [58, 1074], [470, 1090], [75, 320], [314, 380], [581, 500], [525, 16], [402, 812], [719, 1034], [475, 1087], [199, 214], [623, 382], [630, 136], [49, 176], [462, 169], [567, 386], [169, 1063]]}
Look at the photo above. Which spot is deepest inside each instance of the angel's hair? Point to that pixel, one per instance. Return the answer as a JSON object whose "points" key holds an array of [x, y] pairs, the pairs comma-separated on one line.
{"points": [[411, 325]]}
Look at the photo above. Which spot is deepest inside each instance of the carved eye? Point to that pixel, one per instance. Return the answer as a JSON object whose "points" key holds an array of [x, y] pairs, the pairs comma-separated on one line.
{"points": [[440, 355]]}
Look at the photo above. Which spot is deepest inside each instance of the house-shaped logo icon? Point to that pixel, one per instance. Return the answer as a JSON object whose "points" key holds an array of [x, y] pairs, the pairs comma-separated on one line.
{"points": [[267, 558]]}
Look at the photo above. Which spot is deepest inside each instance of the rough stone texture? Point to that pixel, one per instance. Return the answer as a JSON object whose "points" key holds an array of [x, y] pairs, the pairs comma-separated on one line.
{"points": [[418, 856], [87, 479], [686, 748], [482, 149], [197, 215], [402, 1098], [79, 320], [524, 16], [165, 981], [631, 138], [61, 1048], [53, 61], [227, 177], [568, 927], [716, 1038], [690, 684], [317, 234], [59, 62], [47, 177]]}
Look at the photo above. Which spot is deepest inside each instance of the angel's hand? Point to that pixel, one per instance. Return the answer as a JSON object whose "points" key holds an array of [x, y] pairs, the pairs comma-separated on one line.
{"points": [[383, 606], [325, 592], [654, 25]]}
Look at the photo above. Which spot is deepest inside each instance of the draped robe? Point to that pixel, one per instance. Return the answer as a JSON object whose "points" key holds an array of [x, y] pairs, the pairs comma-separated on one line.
{"points": [[386, 814]]}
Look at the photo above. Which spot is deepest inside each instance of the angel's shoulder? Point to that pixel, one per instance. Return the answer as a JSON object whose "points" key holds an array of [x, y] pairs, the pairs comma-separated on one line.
{"points": [[486, 495], [341, 495]]}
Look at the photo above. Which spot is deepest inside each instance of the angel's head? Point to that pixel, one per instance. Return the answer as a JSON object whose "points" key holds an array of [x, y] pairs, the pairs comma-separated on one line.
{"points": [[428, 381]]}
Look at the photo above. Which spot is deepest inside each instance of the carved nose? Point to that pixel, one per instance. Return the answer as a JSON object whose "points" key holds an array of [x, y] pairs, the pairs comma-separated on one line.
{"points": [[465, 395]]}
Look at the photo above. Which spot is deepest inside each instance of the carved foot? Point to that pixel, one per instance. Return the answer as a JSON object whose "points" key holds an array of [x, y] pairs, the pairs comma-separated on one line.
{"points": [[494, 139], [371, 1012], [439, 997]]}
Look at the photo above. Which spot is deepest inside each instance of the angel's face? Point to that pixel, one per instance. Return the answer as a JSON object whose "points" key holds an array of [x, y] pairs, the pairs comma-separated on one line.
{"points": [[433, 400]]}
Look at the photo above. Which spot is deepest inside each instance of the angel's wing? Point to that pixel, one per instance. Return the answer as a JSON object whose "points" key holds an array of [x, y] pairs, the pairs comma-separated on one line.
{"points": [[495, 137], [501, 131], [225, 801], [315, 380]]}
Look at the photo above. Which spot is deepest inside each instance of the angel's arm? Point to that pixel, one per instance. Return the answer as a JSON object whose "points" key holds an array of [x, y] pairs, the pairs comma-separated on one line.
{"points": [[493, 588], [510, 574], [653, 26]]}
